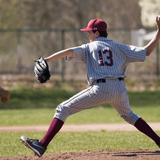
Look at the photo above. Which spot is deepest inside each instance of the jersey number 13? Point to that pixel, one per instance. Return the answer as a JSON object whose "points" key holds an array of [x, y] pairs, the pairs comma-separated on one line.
{"points": [[105, 57]]}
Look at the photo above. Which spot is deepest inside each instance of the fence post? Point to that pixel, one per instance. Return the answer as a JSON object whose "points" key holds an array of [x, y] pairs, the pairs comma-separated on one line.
{"points": [[63, 61], [19, 58], [157, 63]]}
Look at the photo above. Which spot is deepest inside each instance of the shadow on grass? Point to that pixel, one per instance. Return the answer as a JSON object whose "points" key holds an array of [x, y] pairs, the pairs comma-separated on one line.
{"points": [[145, 98], [36, 98], [139, 153], [50, 98]]}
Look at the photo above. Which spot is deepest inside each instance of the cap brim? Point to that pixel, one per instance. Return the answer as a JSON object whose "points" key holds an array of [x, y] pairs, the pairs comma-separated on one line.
{"points": [[85, 29]]}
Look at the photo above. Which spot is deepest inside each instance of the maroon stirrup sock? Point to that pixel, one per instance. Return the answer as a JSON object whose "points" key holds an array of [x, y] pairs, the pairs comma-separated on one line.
{"points": [[53, 129], [142, 126]]}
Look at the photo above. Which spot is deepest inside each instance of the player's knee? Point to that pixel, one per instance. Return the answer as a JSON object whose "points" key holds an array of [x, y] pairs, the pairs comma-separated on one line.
{"points": [[62, 112], [130, 117]]}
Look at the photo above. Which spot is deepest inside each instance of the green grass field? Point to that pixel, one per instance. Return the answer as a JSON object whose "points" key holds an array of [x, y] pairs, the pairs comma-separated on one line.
{"points": [[75, 142], [95, 115], [37, 106]]}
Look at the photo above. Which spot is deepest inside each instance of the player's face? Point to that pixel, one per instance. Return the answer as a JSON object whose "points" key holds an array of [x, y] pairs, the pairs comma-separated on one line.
{"points": [[91, 36]]}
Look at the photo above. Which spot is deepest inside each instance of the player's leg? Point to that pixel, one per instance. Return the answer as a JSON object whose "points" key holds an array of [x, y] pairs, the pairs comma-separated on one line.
{"points": [[83, 100], [142, 126], [121, 103]]}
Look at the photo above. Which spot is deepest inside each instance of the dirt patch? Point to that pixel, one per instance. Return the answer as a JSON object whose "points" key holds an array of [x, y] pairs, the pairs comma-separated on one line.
{"points": [[98, 155]]}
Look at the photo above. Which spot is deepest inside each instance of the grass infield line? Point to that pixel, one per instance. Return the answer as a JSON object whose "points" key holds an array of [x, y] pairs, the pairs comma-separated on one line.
{"points": [[78, 128]]}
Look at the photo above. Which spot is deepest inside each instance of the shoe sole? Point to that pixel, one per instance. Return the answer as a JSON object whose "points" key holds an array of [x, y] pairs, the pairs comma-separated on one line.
{"points": [[24, 141]]}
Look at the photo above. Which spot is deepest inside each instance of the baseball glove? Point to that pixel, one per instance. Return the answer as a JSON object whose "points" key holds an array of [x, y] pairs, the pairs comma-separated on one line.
{"points": [[41, 70], [4, 95]]}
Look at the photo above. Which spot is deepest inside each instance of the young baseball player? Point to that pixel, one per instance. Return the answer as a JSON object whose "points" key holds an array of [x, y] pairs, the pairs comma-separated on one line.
{"points": [[106, 62]]}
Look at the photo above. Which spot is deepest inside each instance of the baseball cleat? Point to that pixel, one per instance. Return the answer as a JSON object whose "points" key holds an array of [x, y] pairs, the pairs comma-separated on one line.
{"points": [[34, 145]]}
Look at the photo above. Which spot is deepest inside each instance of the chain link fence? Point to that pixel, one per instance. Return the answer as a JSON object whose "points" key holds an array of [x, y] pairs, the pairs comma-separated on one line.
{"points": [[20, 47]]}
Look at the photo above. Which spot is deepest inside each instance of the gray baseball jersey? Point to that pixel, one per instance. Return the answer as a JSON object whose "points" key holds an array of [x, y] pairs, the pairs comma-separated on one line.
{"points": [[105, 59]]}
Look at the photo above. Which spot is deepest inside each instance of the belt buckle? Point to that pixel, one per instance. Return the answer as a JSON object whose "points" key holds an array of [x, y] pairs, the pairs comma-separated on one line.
{"points": [[120, 78], [101, 80]]}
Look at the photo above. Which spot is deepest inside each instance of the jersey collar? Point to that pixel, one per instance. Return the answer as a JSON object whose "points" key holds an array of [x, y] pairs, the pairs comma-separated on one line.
{"points": [[101, 39]]}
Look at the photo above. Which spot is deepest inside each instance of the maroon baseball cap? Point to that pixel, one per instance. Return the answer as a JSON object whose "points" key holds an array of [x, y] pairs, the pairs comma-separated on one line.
{"points": [[95, 25]]}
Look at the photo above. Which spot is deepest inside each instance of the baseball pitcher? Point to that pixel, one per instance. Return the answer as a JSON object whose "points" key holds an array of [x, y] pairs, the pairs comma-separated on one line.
{"points": [[106, 61]]}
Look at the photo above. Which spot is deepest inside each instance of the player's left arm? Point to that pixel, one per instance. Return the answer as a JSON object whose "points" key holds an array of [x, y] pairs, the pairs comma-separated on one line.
{"points": [[69, 53], [153, 43], [60, 55]]}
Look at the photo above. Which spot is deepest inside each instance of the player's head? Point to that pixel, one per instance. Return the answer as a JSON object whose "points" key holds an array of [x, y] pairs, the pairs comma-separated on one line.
{"points": [[96, 27]]}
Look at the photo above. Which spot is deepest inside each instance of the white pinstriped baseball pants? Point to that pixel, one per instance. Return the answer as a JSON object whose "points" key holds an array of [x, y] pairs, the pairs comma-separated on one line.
{"points": [[111, 92]]}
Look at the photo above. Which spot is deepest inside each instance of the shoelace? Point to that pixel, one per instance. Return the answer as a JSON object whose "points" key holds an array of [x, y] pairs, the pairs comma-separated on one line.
{"points": [[33, 140]]}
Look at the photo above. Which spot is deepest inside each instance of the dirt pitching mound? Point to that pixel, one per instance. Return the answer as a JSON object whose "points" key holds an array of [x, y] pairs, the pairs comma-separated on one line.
{"points": [[95, 155]]}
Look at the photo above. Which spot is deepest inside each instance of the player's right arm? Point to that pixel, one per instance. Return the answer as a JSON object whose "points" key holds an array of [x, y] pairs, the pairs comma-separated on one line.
{"points": [[153, 43], [138, 54]]}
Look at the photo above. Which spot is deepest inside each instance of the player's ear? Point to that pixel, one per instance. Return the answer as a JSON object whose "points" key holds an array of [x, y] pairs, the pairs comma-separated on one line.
{"points": [[97, 33]]}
